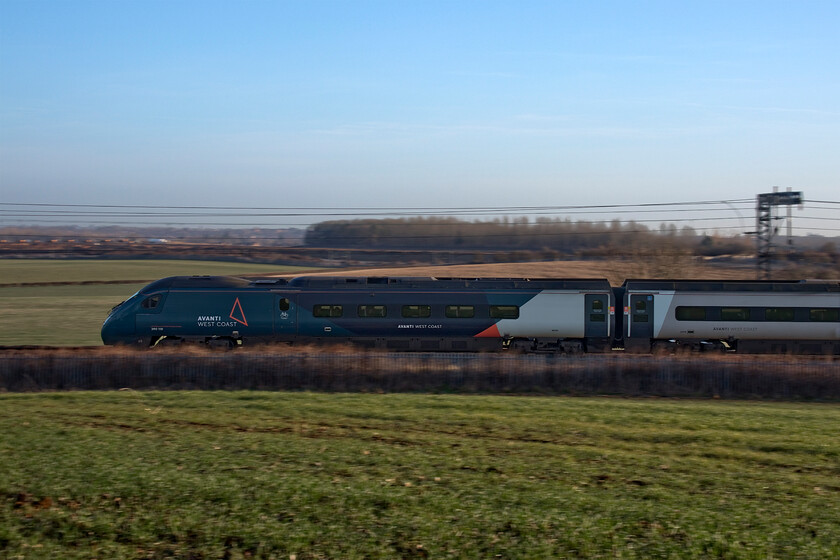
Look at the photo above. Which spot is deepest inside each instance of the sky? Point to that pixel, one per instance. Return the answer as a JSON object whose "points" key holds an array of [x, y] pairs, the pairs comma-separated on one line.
{"points": [[398, 104]]}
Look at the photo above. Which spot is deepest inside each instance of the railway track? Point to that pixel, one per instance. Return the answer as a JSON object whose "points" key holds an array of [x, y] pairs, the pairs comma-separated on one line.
{"points": [[25, 369], [349, 351]]}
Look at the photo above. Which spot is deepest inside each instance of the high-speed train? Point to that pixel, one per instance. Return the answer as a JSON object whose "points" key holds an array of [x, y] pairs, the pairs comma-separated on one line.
{"points": [[473, 314]]}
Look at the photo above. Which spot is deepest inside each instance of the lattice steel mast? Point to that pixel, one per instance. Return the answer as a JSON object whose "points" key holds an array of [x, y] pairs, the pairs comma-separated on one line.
{"points": [[765, 230]]}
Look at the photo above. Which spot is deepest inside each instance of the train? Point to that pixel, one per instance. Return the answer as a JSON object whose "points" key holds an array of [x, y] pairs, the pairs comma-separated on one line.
{"points": [[567, 315]]}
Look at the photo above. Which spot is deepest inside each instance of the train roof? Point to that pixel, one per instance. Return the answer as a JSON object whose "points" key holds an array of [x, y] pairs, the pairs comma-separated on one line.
{"points": [[438, 283], [735, 285], [200, 282], [375, 282], [431, 282]]}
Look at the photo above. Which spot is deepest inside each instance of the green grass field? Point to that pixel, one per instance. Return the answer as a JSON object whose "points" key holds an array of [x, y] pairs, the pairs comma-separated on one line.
{"points": [[21, 271], [72, 315], [302, 475]]}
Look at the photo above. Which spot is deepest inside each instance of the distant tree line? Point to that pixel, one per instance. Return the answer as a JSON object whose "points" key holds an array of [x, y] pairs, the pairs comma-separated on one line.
{"points": [[562, 236]]}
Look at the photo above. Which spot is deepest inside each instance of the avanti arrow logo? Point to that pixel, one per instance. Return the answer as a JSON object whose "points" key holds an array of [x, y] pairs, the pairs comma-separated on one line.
{"points": [[237, 314]]}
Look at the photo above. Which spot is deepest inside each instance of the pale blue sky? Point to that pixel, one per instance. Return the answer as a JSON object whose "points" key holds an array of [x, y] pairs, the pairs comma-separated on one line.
{"points": [[405, 104]]}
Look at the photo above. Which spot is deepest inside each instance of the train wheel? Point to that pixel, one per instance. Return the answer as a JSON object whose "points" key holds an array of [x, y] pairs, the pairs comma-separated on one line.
{"points": [[221, 343], [166, 342]]}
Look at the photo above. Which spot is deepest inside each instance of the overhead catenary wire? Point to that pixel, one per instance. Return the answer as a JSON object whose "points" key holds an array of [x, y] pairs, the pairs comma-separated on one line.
{"points": [[280, 214], [714, 216], [172, 212], [328, 210], [376, 208]]}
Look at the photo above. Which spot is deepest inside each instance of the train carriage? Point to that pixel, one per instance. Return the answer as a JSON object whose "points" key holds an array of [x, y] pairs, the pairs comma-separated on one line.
{"points": [[748, 316], [456, 313]]}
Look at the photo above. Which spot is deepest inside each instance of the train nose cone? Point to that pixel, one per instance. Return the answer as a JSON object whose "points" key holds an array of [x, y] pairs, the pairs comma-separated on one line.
{"points": [[117, 329], [107, 333]]}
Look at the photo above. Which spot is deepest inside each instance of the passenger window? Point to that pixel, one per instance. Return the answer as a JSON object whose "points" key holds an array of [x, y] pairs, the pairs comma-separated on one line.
{"points": [[284, 304], [416, 311], [372, 311], [691, 313], [825, 315], [504, 311], [460, 311], [641, 306], [779, 314], [734, 314], [327, 311], [151, 302]]}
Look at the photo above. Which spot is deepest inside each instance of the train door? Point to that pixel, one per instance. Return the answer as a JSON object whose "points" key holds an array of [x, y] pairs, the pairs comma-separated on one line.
{"points": [[147, 319], [640, 323], [285, 316], [597, 315]]}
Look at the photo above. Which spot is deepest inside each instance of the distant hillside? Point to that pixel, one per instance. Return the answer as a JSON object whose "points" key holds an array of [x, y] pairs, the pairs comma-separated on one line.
{"points": [[282, 237]]}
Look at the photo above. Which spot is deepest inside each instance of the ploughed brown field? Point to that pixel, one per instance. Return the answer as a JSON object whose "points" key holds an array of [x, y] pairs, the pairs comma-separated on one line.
{"points": [[614, 270]]}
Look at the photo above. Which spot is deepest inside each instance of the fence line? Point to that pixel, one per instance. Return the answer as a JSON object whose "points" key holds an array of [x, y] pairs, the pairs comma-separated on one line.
{"points": [[680, 376]]}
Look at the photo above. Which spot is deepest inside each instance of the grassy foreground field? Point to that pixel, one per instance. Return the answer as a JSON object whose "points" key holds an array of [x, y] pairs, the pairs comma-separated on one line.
{"points": [[303, 475], [71, 315]]}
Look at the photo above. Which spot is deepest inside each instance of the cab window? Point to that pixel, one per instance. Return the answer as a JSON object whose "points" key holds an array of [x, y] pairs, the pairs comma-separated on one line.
{"points": [[151, 302]]}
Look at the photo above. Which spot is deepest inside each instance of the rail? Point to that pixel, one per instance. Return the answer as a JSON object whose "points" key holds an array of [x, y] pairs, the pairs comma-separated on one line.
{"points": [[696, 375]]}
